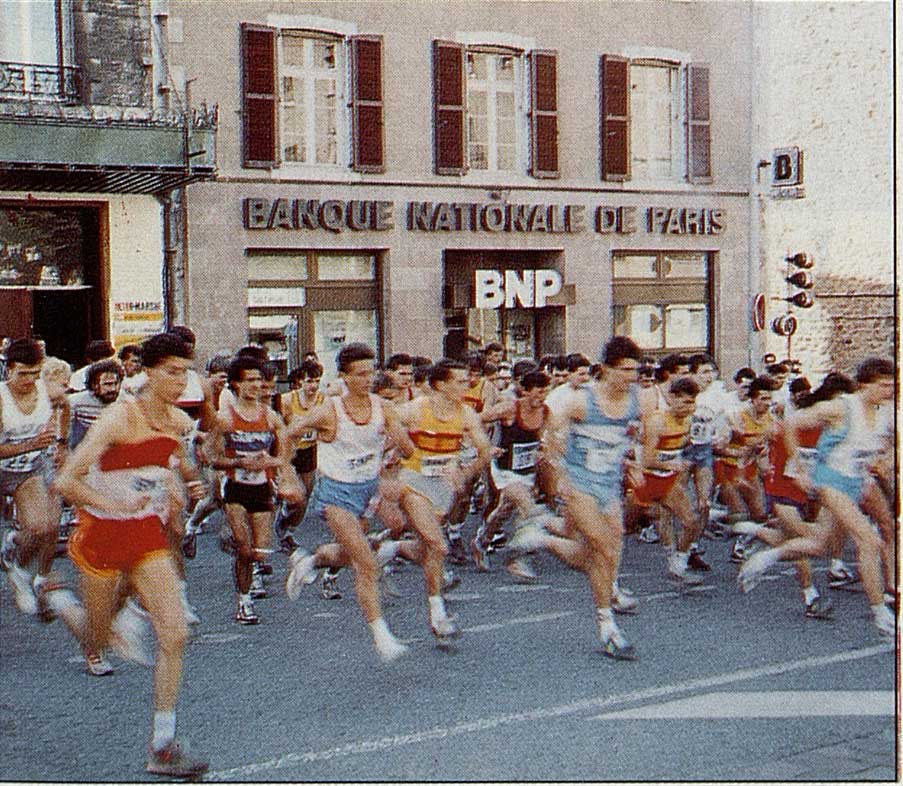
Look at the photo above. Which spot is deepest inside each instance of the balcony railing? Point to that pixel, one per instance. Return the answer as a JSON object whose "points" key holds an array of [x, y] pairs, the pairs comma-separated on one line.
{"points": [[35, 82]]}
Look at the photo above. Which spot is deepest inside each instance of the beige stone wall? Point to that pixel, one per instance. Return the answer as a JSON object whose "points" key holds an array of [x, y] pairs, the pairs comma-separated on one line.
{"points": [[824, 83]]}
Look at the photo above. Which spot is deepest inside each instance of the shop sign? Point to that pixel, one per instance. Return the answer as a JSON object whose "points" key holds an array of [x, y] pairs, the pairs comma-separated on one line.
{"points": [[331, 214], [135, 320], [494, 217], [515, 288]]}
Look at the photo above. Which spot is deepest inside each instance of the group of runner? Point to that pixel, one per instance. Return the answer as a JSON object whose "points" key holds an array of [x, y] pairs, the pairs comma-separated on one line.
{"points": [[560, 455]]}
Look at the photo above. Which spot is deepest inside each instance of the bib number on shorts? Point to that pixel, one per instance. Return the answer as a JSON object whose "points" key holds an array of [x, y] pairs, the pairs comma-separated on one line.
{"points": [[523, 456]]}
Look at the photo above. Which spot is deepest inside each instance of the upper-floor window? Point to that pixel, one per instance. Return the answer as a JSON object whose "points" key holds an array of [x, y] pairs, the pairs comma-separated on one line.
{"points": [[655, 122], [312, 98], [312, 106], [494, 110], [494, 104]]}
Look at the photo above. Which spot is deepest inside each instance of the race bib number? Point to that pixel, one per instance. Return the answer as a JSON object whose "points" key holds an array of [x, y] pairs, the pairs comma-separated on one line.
{"points": [[702, 432], [599, 460], [667, 456], [361, 462], [24, 462], [862, 461], [435, 466], [251, 478], [308, 436], [523, 456]]}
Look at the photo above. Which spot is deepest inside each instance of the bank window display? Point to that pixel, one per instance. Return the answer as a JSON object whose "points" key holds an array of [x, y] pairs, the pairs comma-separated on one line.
{"points": [[494, 110], [302, 300], [655, 121], [662, 300], [317, 92]]}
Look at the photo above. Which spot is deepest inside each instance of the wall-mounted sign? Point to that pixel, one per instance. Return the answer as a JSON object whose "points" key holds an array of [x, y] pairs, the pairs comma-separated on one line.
{"points": [[758, 312], [373, 215], [515, 288], [135, 320], [787, 173]]}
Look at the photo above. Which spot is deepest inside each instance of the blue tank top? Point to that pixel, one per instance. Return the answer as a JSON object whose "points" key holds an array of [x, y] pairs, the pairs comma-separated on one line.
{"points": [[598, 443]]}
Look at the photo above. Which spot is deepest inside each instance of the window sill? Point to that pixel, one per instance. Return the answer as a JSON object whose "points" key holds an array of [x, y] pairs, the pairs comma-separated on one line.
{"points": [[338, 174]]}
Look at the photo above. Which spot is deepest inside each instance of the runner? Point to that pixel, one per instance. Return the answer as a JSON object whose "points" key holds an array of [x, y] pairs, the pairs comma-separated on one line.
{"points": [[250, 445], [27, 430], [120, 478], [594, 450], [133, 374], [433, 476], [400, 369], [351, 431]]}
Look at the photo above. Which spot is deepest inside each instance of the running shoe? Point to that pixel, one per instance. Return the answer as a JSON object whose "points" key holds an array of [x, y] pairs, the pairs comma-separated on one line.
{"points": [[329, 589], [301, 571], [738, 552], [479, 554], [246, 614], [752, 572], [190, 545], [697, 563], [443, 628], [520, 569], [885, 622], [257, 590], [844, 577], [622, 603], [680, 573], [173, 760], [130, 635], [450, 580], [263, 568], [20, 579], [97, 665], [287, 544], [649, 535], [820, 609], [390, 650], [498, 541], [616, 647]]}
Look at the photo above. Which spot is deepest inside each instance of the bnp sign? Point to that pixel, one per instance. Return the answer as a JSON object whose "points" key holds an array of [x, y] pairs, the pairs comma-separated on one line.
{"points": [[515, 288]]}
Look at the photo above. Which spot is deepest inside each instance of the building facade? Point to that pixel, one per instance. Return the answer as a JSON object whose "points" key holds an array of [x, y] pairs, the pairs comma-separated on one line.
{"points": [[429, 177], [96, 146]]}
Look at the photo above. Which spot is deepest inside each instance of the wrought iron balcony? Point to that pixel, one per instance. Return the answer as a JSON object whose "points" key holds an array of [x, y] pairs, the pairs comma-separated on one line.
{"points": [[36, 82]]}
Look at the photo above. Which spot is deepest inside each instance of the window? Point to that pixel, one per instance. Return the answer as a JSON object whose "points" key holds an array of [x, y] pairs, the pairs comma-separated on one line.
{"points": [[300, 300], [662, 300], [319, 94], [655, 122], [489, 101]]}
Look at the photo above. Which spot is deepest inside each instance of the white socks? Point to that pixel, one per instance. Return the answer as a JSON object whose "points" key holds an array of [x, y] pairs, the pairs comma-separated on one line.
{"points": [[607, 626], [437, 608], [810, 594], [164, 729]]}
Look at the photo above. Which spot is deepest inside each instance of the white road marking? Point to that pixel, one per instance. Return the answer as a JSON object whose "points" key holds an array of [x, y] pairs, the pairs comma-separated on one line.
{"points": [[247, 771], [215, 638], [519, 621], [768, 704], [463, 596], [523, 587]]}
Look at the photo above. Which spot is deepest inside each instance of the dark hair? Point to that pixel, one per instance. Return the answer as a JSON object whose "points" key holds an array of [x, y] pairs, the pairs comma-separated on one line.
{"points": [[798, 385], [558, 363], [422, 360], [129, 349], [534, 379], [441, 370], [872, 368], [399, 359], [351, 353], [744, 373], [493, 346], [243, 363], [254, 351], [670, 362], [218, 363], [310, 354], [761, 383], [699, 360], [309, 369], [184, 333], [646, 368], [474, 361], [490, 368], [575, 360], [832, 385], [99, 349], [421, 374], [595, 370], [270, 370], [25, 351], [161, 346], [101, 367], [684, 386], [620, 348], [778, 368], [382, 382], [521, 368]]}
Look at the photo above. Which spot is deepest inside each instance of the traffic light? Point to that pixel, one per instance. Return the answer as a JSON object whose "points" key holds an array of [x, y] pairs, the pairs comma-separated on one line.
{"points": [[802, 279]]}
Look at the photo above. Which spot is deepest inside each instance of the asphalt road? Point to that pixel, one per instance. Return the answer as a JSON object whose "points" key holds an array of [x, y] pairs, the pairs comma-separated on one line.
{"points": [[727, 687]]}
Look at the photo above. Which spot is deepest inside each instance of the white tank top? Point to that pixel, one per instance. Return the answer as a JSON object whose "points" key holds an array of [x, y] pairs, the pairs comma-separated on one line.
{"points": [[19, 427], [356, 453], [856, 444]]}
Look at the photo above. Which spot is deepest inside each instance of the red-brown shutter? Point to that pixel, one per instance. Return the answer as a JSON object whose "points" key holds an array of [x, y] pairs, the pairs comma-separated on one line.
{"points": [[448, 107], [544, 113], [367, 103], [258, 94], [699, 137], [614, 87]]}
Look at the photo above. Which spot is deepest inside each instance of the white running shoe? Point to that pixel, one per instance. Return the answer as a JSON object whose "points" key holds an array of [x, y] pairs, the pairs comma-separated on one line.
{"points": [[301, 571], [621, 603], [21, 582], [520, 569], [885, 622], [753, 570], [444, 628], [97, 665], [684, 576], [390, 649], [130, 635], [745, 528]]}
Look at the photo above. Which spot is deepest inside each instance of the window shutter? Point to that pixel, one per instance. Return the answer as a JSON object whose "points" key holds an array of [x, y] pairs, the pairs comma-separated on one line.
{"points": [[367, 103], [614, 89], [258, 88], [699, 137], [544, 113], [448, 107]]}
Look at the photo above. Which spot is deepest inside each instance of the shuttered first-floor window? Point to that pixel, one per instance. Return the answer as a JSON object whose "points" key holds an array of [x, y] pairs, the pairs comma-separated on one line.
{"points": [[663, 299]]}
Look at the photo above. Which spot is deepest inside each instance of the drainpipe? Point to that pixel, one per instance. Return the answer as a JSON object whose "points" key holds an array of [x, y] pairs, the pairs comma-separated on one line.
{"points": [[170, 307]]}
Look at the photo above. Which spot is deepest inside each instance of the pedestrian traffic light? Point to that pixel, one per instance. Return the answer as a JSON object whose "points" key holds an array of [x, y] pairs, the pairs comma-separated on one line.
{"points": [[802, 279]]}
